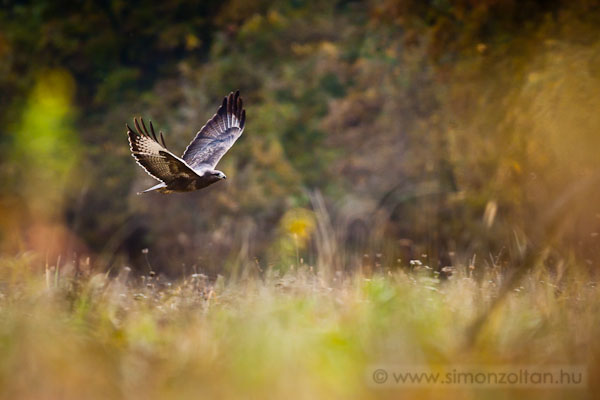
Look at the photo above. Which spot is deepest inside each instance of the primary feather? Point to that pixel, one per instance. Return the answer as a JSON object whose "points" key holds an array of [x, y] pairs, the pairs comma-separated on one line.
{"points": [[218, 135], [154, 157]]}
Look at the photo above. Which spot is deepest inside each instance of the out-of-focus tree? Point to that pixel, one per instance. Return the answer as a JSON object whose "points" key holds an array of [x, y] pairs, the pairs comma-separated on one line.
{"points": [[430, 127]]}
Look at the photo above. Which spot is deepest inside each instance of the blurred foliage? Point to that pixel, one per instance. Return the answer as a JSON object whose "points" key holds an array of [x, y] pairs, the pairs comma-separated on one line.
{"points": [[437, 128], [46, 142]]}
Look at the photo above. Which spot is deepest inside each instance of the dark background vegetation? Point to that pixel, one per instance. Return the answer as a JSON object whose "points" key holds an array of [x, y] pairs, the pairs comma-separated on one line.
{"points": [[378, 131]]}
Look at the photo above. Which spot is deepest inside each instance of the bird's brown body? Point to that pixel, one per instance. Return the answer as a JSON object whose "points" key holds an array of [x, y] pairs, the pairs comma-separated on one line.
{"points": [[187, 185]]}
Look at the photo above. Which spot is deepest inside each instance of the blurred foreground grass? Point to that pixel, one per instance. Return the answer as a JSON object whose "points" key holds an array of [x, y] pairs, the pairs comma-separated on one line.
{"points": [[296, 335]]}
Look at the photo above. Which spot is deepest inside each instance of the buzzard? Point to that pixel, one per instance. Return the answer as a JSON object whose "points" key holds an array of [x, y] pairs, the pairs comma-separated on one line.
{"points": [[196, 167]]}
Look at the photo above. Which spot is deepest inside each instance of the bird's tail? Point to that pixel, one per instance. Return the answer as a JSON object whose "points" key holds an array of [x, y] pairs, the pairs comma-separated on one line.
{"points": [[155, 187]]}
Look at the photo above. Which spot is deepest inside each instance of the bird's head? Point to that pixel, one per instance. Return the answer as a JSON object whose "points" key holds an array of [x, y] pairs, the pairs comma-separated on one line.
{"points": [[217, 175]]}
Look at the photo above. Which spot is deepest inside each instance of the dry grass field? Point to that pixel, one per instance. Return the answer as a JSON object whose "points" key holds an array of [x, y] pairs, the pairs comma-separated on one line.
{"points": [[296, 335]]}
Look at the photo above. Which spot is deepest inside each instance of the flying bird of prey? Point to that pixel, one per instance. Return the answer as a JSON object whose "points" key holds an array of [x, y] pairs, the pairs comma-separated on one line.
{"points": [[196, 167]]}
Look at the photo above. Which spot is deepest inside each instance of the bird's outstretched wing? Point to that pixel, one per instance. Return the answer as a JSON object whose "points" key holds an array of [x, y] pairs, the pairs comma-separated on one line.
{"points": [[218, 135], [154, 156]]}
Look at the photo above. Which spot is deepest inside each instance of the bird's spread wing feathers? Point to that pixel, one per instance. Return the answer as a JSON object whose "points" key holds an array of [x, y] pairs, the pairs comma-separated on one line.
{"points": [[154, 156], [218, 135]]}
